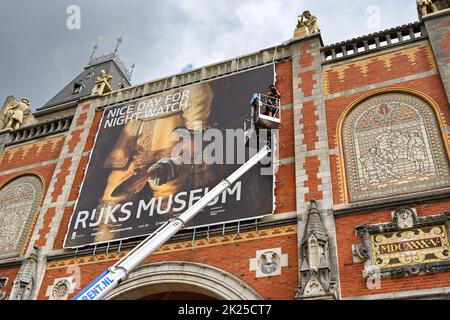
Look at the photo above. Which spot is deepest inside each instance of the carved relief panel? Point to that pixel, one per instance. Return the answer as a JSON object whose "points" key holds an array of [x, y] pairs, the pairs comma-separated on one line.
{"points": [[408, 245], [19, 202], [393, 146]]}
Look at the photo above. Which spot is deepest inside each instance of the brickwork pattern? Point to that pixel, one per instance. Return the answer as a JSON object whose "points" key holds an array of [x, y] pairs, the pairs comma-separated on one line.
{"points": [[351, 279], [231, 254]]}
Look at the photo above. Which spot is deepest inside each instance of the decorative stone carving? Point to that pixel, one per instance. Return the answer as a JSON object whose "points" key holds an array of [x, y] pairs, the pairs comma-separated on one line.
{"points": [[408, 245], [393, 146], [405, 218], [307, 25], [19, 202], [426, 7], [25, 281], [268, 263], [61, 289], [3, 283], [102, 85], [16, 114], [315, 272]]}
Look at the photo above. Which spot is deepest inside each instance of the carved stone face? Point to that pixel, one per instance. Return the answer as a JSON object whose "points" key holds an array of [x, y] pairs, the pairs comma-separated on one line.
{"points": [[405, 218]]}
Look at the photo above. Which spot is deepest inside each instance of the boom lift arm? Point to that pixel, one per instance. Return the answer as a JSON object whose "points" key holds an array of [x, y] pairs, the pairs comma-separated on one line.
{"points": [[112, 277]]}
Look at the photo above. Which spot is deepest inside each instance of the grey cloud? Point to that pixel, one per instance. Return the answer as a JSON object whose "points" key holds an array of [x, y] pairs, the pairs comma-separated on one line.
{"points": [[39, 55]]}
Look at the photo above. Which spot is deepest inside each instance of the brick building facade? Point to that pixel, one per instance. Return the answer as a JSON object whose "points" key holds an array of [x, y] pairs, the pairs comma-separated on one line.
{"points": [[363, 189]]}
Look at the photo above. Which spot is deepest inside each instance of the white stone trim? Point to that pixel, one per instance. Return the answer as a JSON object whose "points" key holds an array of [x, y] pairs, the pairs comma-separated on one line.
{"points": [[170, 276]]}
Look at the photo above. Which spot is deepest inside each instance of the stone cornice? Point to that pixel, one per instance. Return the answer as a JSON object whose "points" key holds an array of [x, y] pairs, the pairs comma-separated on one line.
{"points": [[209, 72]]}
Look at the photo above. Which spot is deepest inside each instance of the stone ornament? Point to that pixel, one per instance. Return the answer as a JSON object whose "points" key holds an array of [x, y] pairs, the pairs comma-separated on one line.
{"points": [[25, 282], [307, 25], [3, 283], [61, 289], [102, 85], [393, 146], [19, 203], [269, 263], [408, 245], [16, 114], [426, 7], [315, 273]]}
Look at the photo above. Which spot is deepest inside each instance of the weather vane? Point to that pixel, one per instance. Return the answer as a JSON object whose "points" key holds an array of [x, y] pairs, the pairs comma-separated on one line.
{"points": [[119, 42], [99, 38]]}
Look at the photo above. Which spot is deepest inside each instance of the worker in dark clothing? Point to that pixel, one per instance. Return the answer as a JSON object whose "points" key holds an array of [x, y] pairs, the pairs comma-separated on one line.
{"points": [[273, 100]]}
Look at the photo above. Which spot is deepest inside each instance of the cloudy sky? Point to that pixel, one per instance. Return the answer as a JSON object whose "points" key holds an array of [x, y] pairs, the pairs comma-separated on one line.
{"points": [[39, 54]]}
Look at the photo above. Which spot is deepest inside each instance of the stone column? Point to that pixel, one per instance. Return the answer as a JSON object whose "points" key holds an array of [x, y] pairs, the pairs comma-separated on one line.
{"points": [[313, 174], [5, 137], [438, 28], [59, 188]]}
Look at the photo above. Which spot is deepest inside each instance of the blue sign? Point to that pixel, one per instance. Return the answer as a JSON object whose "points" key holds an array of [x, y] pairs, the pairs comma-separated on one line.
{"points": [[97, 287]]}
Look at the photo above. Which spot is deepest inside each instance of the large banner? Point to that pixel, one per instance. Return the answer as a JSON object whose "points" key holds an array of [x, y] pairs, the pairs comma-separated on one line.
{"points": [[139, 176]]}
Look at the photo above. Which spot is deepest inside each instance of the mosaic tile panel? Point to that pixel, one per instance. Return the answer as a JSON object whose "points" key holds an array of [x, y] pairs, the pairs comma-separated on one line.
{"points": [[393, 146]]}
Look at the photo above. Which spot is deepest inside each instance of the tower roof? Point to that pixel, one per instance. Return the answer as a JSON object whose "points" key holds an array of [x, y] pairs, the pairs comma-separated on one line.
{"points": [[82, 85]]}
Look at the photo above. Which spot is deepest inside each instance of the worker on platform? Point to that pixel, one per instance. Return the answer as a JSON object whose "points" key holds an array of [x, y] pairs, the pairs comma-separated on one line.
{"points": [[273, 101]]}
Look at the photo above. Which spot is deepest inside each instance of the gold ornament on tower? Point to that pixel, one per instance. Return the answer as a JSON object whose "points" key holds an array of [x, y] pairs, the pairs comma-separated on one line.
{"points": [[102, 85]]}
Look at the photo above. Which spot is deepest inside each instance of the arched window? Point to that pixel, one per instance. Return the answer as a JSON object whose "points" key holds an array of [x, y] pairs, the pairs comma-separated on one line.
{"points": [[393, 146], [19, 202]]}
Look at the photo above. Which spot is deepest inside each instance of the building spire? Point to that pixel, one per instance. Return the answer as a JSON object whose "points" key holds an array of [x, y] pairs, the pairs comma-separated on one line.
{"points": [[315, 272], [133, 66], [99, 38], [119, 42]]}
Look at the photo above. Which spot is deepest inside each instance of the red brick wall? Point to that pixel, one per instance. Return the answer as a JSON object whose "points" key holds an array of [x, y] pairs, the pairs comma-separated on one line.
{"points": [[352, 282], [233, 257], [345, 77], [32, 153], [286, 176], [431, 86], [285, 190], [284, 81], [46, 173], [385, 67], [11, 274]]}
